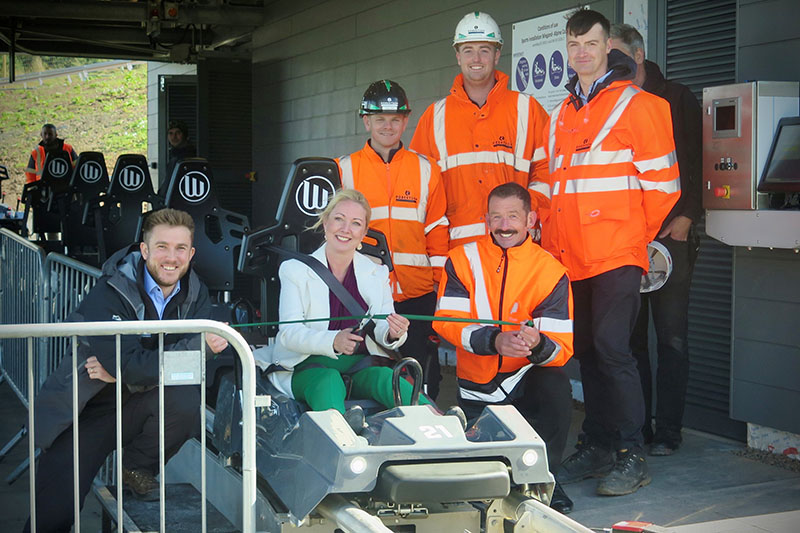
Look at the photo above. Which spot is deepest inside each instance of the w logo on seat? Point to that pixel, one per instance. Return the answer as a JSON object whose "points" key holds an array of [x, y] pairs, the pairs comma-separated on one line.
{"points": [[91, 172], [131, 178], [58, 168], [313, 194], [194, 187]]}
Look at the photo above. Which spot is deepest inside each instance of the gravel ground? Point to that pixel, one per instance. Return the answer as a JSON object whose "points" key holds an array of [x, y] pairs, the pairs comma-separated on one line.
{"points": [[769, 458]]}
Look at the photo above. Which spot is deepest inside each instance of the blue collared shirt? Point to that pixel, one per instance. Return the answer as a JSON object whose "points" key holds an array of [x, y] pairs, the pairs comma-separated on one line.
{"points": [[585, 97], [156, 296]]}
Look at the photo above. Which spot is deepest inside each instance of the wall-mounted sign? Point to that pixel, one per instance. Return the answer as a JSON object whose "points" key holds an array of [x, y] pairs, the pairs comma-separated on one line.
{"points": [[539, 58]]}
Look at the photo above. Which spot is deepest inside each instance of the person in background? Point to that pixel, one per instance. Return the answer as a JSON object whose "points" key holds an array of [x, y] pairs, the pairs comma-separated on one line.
{"points": [[669, 304], [179, 149], [50, 143]]}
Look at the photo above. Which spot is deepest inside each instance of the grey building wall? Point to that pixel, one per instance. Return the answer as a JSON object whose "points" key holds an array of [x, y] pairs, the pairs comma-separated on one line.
{"points": [[768, 40], [312, 64], [766, 287], [766, 338]]}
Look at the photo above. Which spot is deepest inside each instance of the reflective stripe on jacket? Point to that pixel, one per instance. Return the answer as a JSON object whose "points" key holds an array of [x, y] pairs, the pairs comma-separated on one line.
{"points": [[38, 156], [613, 178], [480, 148], [482, 280], [408, 205]]}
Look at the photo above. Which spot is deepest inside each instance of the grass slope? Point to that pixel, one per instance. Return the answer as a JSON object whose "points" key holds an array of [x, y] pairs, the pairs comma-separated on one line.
{"points": [[105, 113]]}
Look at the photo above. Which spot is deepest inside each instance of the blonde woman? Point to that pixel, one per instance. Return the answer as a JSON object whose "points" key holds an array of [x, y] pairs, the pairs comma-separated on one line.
{"points": [[316, 354]]}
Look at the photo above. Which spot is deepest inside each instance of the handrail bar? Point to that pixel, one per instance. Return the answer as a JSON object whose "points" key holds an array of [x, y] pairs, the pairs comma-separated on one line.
{"points": [[139, 327]]}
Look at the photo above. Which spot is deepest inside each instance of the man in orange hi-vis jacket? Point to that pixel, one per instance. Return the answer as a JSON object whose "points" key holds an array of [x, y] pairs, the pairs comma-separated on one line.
{"points": [[482, 134], [408, 205], [49, 143], [613, 178], [506, 276]]}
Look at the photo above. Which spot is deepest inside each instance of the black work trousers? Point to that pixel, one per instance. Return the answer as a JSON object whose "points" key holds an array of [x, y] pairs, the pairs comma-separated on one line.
{"points": [[97, 438], [606, 307], [543, 397], [417, 344], [669, 306]]}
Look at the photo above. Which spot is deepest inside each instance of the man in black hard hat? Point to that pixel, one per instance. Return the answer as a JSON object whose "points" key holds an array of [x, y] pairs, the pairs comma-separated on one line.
{"points": [[408, 204]]}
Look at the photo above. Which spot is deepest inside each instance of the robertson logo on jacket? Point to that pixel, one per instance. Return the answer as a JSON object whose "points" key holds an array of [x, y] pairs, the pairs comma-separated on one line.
{"points": [[501, 142], [406, 197]]}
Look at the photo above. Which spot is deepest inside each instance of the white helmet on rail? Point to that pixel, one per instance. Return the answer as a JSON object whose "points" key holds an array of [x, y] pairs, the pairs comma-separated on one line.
{"points": [[477, 27]]}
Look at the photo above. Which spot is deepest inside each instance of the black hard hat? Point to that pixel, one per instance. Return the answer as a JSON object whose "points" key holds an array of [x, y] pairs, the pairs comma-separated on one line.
{"points": [[384, 96]]}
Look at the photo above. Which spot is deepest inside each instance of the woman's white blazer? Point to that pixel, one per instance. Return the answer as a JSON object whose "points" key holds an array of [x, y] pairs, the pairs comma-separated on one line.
{"points": [[305, 296]]}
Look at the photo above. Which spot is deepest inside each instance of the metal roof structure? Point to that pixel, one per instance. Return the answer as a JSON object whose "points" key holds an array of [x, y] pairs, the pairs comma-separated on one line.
{"points": [[152, 30]]}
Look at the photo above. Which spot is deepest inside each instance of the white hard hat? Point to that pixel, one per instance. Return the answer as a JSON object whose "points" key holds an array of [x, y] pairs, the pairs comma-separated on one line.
{"points": [[477, 27], [660, 268]]}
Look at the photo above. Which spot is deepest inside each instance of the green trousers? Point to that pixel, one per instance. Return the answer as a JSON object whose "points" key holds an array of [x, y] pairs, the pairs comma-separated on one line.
{"points": [[322, 386]]}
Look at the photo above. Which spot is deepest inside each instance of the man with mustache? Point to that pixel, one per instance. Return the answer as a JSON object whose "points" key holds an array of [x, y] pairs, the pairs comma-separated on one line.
{"points": [[505, 276]]}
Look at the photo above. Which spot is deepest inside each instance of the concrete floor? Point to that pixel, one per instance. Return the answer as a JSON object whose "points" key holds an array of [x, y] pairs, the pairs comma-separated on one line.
{"points": [[705, 487]]}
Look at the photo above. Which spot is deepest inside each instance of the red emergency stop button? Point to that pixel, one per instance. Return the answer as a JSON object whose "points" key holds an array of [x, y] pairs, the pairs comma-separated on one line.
{"points": [[722, 192]]}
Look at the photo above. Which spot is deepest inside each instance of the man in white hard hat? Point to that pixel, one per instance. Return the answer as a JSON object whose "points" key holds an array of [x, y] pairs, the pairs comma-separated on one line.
{"points": [[482, 134]]}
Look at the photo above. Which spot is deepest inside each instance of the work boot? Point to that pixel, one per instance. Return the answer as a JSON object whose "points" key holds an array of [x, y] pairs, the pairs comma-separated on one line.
{"points": [[355, 419], [660, 449], [629, 474], [457, 412], [590, 460], [665, 442], [141, 484], [560, 501]]}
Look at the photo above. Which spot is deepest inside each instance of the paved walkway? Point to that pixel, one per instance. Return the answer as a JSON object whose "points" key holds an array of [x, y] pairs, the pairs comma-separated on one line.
{"points": [[705, 481]]}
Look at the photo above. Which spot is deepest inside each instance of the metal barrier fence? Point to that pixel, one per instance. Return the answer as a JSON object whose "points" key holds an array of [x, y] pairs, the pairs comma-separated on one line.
{"points": [[23, 292], [32, 332], [35, 288], [67, 281]]}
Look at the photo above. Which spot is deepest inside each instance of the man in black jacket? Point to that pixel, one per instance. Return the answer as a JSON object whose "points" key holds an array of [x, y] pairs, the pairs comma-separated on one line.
{"points": [[670, 304], [149, 281]]}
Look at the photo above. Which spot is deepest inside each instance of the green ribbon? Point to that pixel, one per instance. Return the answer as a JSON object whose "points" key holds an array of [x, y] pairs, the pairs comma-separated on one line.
{"points": [[362, 317]]}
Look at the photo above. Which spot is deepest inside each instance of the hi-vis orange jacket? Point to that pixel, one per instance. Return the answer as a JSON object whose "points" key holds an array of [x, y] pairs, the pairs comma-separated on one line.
{"points": [[482, 280], [480, 148], [34, 170], [613, 178], [408, 205]]}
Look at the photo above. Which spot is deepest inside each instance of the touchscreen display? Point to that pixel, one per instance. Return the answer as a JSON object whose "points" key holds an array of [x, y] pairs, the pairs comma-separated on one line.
{"points": [[782, 170]]}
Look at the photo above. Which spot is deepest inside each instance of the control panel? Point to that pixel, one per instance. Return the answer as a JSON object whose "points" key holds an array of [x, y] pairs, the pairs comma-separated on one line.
{"points": [[739, 121]]}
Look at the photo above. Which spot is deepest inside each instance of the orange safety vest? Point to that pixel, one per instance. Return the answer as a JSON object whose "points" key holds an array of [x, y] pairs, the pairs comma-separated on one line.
{"points": [[38, 155], [480, 148], [482, 280], [613, 179], [408, 206]]}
